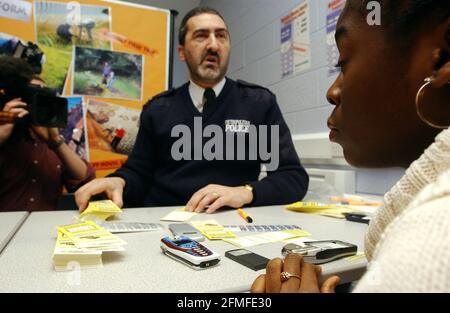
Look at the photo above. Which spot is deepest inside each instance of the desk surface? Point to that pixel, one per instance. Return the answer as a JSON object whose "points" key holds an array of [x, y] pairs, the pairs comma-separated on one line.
{"points": [[10, 222], [26, 263]]}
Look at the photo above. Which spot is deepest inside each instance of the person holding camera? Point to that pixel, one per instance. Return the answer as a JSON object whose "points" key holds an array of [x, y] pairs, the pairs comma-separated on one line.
{"points": [[35, 162]]}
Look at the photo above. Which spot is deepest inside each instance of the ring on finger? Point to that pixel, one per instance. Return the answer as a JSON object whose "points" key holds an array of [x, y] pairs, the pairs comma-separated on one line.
{"points": [[285, 276]]}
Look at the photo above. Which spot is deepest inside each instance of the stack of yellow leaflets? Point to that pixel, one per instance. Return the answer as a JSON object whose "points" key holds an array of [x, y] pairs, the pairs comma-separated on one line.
{"points": [[83, 243], [100, 210], [67, 257], [332, 210], [213, 230]]}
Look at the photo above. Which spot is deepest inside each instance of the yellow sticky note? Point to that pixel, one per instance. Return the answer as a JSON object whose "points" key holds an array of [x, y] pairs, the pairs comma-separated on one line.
{"points": [[213, 230], [179, 215], [330, 210], [101, 210]]}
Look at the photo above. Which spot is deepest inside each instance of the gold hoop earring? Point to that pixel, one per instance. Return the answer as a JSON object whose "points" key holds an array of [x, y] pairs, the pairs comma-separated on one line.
{"points": [[421, 95]]}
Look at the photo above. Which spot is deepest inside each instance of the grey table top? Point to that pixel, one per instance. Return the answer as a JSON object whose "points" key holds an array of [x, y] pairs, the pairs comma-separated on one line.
{"points": [[10, 222], [26, 263]]}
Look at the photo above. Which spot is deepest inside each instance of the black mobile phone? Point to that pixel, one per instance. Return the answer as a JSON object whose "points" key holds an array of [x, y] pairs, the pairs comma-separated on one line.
{"points": [[359, 218], [247, 258]]}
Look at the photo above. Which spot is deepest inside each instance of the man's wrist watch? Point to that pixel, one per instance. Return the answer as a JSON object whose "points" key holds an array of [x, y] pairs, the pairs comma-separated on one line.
{"points": [[57, 144]]}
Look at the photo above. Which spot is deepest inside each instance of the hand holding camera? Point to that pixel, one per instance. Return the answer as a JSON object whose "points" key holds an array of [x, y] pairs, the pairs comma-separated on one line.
{"points": [[50, 135], [12, 110]]}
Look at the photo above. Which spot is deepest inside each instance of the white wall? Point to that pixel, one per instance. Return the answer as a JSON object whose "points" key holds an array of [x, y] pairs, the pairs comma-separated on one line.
{"points": [[255, 57], [180, 74]]}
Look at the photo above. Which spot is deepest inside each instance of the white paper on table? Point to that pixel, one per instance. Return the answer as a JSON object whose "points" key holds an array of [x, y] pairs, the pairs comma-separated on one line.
{"points": [[255, 240], [178, 216]]}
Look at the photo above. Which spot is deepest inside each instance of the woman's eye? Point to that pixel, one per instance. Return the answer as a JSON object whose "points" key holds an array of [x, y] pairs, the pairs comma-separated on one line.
{"points": [[340, 64]]}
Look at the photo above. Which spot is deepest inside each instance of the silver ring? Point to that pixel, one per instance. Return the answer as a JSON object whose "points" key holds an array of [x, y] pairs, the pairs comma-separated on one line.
{"points": [[285, 276]]}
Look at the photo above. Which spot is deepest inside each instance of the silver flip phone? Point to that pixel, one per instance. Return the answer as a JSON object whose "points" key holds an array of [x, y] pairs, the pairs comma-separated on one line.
{"points": [[186, 230]]}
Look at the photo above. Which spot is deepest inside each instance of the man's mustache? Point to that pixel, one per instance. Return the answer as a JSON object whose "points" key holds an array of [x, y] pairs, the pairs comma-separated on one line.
{"points": [[211, 54]]}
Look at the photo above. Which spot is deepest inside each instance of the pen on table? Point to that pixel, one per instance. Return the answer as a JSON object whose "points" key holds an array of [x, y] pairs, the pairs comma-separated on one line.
{"points": [[245, 215]]}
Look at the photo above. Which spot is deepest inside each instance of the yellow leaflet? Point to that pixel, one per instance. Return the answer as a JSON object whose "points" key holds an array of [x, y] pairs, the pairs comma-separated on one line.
{"points": [[90, 235], [101, 209], [179, 215], [213, 230], [331, 210]]}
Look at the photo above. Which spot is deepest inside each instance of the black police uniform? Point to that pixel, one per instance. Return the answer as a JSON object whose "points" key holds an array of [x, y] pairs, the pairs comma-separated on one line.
{"points": [[154, 178]]}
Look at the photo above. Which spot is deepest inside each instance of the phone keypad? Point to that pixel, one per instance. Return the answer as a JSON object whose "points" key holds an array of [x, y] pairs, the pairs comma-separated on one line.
{"points": [[199, 250]]}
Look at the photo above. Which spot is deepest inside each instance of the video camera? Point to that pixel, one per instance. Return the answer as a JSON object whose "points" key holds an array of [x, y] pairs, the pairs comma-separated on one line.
{"points": [[31, 54], [45, 107]]}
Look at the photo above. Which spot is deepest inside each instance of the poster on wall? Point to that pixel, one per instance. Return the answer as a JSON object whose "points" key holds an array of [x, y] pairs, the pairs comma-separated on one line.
{"points": [[107, 74], [296, 41], [335, 8], [104, 55], [57, 33], [16, 10], [111, 128], [8, 44], [75, 131]]}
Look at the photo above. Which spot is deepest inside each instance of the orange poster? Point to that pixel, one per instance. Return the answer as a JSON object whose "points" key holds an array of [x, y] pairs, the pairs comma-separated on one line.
{"points": [[112, 54]]}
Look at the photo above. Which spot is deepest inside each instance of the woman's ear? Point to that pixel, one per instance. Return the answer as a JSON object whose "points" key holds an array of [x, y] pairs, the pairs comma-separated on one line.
{"points": [[441, 58]]}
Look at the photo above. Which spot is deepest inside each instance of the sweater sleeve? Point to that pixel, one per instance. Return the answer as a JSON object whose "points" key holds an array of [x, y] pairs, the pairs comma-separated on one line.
{"points": [[138, 169], [289, 182], [414, 251], [423, 171]]}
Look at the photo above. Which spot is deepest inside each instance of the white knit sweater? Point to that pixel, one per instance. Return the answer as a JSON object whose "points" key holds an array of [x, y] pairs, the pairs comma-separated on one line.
{"points": [[408, 242]]}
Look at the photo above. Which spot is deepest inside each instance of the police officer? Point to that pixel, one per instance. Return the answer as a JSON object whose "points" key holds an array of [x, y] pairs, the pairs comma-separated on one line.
{"points": [[209, 105]]}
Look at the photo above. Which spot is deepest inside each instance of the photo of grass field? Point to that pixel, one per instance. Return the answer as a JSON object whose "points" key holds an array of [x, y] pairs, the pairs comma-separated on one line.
{"points": [[57, 33], [107, 74]]}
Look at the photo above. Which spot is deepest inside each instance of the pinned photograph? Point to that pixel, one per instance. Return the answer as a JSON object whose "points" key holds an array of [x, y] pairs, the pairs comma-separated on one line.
{"points": [[111, 128], [107, 74], [19, 48], [8, 44], [60, 26], [74, 133]]}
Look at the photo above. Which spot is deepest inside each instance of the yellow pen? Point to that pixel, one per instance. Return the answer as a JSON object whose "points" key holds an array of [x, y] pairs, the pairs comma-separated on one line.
{"points": [[245, 215]]}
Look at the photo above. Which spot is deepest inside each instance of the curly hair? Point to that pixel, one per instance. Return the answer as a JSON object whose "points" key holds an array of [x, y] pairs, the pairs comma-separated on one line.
{"points": [[14, 73]]}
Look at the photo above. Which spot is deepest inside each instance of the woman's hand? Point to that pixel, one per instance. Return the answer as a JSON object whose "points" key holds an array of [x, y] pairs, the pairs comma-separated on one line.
{"points": [[304, 277], [11, 111], [49, 135]]}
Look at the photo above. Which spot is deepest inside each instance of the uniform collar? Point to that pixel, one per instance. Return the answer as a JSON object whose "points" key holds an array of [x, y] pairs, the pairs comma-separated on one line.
{"points": [[196, 92]]}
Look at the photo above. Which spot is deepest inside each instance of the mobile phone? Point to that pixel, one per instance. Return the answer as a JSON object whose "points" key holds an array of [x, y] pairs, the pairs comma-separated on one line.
{"points": [[319, 252], [189, 252], [186, 230], [359, 218], [247, 258]]}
